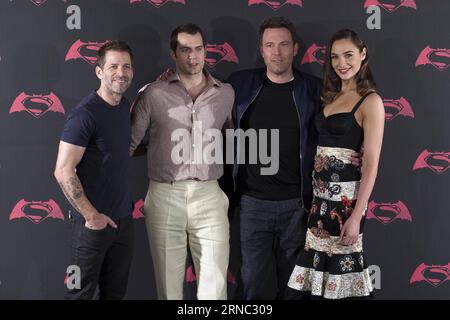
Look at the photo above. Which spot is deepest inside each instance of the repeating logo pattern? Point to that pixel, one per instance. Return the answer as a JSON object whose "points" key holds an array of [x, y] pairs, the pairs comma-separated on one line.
{"points": [[438, 58], [138, 212], [430, 56], [391, 6], [191, 277], [438, 162], [397, 107], [37, 104], [86, 51], [388, 212], [432, 274], [276, 4], [315, 54], [217, 53], [36, 211], [159, 3], [38, 3]]}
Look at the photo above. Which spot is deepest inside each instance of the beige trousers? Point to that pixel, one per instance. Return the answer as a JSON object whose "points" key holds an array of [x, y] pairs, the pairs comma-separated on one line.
{"points": [[188, 213]]}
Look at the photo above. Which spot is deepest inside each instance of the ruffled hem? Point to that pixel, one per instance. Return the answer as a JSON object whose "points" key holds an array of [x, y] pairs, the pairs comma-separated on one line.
{"points": [[331, 286]]}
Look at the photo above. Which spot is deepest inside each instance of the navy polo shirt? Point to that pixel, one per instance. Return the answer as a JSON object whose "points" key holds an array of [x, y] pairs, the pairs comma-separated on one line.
{"points": [[105, 132]]}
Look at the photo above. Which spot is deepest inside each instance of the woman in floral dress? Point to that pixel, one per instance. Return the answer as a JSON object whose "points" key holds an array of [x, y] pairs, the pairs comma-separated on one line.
{"points": [[332, 264]]}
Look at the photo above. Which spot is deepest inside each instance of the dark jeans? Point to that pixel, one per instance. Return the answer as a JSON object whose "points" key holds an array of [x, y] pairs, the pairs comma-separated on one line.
{"points": [[272, 235], [104, 258]]}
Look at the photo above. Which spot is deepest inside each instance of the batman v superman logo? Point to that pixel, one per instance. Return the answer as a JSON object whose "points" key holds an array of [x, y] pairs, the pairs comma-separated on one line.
{"points": [[37, 104], [276, 4], [36, 211], [158, 3], [438, 162], [438, 58], [86, 51], [388, 212], [391, 5], [217, 53], [434, 274]]}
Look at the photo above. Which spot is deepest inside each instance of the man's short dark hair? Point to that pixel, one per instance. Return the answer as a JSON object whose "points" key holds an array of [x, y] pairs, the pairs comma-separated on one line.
{"points": [[275, 23], [113, 45], [189, 28]]}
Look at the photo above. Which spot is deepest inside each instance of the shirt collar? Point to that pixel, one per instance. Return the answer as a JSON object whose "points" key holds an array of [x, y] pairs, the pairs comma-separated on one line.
{"points": [[209, 79]]}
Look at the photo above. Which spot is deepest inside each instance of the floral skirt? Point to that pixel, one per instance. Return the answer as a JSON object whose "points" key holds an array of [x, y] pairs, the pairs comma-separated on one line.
{"points": [[325, 267], [328, 269]]}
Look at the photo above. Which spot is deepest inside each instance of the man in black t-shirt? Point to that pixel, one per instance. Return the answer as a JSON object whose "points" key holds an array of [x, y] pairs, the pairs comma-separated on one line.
{"points": [[272, 207], [91, 170]]}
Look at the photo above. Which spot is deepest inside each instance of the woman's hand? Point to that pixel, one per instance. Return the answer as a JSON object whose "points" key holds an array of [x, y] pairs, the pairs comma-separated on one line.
{"points": [[350, 230]]}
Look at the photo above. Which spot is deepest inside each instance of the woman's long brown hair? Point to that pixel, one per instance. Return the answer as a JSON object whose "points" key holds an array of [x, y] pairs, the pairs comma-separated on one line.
{"points": [[331, 81]]}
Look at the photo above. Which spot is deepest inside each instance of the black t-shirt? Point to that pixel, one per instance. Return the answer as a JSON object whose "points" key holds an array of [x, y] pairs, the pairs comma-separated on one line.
{"points": [[273, 108], [105, 132]]}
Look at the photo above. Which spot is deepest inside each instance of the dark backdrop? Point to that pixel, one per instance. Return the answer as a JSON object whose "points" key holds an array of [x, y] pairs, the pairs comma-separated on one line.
{"points": [[46, 68]]}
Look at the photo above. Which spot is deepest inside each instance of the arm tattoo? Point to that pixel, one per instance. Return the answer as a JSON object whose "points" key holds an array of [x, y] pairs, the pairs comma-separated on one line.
{"points": [[73, 191], [74, 185], [66, 193]]}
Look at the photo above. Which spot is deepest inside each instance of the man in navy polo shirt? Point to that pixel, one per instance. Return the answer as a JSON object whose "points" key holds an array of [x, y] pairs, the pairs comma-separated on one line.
{"points": [[91, 170]]}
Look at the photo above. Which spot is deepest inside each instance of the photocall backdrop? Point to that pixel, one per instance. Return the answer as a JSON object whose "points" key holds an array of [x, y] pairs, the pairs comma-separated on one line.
{"points": [[47, 58]]}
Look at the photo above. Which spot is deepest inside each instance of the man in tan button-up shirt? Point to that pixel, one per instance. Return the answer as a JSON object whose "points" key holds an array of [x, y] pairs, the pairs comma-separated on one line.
{"points": [[184, 205]]}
